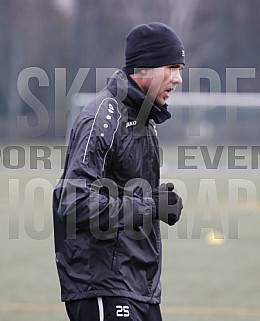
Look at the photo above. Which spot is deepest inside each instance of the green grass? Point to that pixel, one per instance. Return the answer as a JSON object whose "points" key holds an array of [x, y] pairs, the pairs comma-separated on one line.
{"points": [[200, 281]]}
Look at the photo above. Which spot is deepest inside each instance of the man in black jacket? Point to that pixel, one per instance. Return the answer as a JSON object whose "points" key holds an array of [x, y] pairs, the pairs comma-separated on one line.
{"points": [[108, 204]]}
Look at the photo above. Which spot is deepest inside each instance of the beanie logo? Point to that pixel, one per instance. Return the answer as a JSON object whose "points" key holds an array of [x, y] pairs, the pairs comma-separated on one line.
{"points": [[183, 53]]}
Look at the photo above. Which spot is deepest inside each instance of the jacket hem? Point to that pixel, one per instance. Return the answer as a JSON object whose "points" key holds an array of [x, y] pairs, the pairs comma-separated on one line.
{"points": [[105, 293]]}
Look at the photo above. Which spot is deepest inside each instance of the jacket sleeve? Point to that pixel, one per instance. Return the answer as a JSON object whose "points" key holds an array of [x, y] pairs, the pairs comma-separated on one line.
{"points": [[84, 199]]}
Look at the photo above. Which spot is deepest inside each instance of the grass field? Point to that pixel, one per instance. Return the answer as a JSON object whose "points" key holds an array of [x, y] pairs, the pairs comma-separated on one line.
{"points": [[203, 278]]}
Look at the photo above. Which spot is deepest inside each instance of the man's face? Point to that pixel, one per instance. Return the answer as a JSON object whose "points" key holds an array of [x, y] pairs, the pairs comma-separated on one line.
{"points": [[159, 82]]}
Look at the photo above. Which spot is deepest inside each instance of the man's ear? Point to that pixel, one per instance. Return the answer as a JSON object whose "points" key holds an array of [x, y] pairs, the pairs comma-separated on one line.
{"points": [[143, 72], [139, 74]]}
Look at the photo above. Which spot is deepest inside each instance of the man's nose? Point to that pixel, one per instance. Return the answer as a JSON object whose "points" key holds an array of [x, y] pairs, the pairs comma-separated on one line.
{"points": [[176, 77]]}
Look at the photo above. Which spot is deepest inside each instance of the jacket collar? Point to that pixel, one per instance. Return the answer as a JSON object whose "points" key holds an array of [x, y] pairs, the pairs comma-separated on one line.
{"points": [[126, 90]]}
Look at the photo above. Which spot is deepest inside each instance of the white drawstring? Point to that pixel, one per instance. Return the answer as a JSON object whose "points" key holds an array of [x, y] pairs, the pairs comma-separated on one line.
{"points": [[100, 309]]}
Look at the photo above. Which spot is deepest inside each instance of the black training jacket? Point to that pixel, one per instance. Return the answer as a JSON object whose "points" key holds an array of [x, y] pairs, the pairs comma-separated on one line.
{"points": [[107, 239]]}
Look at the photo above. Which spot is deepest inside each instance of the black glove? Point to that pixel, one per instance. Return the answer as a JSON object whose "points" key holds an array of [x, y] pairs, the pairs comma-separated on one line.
{"points": [[168, 203]]}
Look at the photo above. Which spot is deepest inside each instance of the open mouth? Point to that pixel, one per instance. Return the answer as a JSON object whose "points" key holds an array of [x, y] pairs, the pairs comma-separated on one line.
{"points": [[169, 90]]}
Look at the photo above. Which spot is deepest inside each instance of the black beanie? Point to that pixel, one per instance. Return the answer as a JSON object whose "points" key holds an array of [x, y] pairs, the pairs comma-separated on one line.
{"points": [[152, 45]]}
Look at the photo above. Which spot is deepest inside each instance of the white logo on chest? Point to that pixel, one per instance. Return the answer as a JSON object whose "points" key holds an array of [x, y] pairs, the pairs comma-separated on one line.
{"points": [[131, 123]]}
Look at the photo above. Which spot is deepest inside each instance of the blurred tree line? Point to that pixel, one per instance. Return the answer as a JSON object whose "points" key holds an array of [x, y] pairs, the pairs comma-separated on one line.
{"points": [[74, 34]]}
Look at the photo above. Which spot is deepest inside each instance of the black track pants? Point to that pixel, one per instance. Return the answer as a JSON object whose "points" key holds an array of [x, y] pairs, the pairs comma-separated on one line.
{"points": [[112, 309]]}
